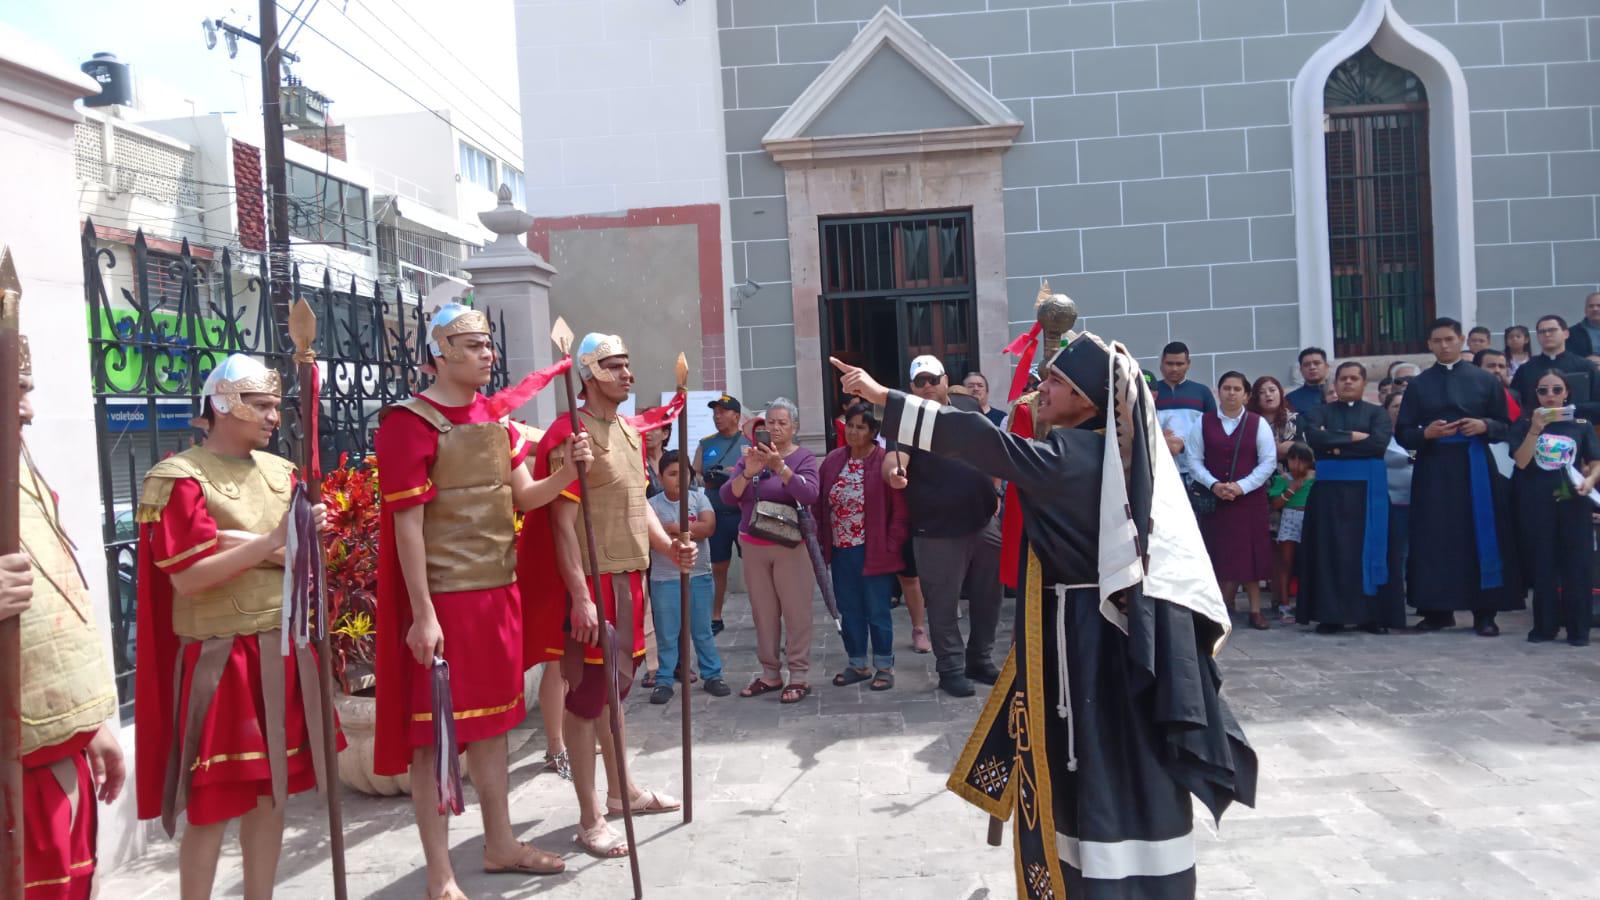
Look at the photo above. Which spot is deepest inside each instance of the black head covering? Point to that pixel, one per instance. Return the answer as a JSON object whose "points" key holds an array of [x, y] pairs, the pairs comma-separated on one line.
{"points": [[1085, 362]]}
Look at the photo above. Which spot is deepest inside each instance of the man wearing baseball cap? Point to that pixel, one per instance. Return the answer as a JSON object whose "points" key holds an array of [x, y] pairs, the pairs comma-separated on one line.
{"points": [[956, 540], [716, 457]]}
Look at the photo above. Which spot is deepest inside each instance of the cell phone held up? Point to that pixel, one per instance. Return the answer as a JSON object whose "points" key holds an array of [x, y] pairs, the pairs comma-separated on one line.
{"points": [[1559, 413], [763, 436]]}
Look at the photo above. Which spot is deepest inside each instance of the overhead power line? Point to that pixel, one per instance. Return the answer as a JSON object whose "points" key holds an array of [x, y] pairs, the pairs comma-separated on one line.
{"points": [[470, 71], [424, 58], [476, 137]]}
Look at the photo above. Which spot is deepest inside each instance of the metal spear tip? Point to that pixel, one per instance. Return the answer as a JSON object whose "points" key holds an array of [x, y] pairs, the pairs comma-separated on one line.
{"points": [[8, 272], [683, 372], [302, 326], [561, 334]]}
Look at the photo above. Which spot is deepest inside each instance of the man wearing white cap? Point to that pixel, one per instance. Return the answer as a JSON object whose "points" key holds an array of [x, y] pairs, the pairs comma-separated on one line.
{"points": [[956, 540], [227, 725]]}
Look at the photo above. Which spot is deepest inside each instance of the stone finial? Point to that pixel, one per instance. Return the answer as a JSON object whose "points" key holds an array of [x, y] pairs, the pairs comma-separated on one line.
{"points": [[505, 220]]}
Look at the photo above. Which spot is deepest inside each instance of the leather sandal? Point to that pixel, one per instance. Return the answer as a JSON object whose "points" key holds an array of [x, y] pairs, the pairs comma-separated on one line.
{"points": [[533, 861], [601, 842], [648, 803]]}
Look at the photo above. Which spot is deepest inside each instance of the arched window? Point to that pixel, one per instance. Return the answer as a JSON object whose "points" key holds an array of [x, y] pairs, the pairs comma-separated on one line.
{"points": [[1380, 211]]}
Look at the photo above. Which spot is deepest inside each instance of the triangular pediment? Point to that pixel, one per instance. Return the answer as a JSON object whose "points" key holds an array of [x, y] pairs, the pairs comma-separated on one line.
{"points": [[891, 90]]}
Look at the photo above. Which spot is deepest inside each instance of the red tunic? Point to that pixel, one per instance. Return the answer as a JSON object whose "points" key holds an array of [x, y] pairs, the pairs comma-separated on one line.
{"points": [[231, 771], [540, 577], [58, 855], [483, 629], [1021, 425]]}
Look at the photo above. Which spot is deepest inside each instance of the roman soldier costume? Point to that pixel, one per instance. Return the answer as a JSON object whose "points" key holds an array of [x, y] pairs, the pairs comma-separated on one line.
{"points": [[456, 463], [617, 504], [67, 694], [226, 711]]}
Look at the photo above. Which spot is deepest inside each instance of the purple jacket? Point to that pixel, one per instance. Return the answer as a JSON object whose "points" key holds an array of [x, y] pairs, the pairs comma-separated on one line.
{"points": [[888, 523], [800, 491]]}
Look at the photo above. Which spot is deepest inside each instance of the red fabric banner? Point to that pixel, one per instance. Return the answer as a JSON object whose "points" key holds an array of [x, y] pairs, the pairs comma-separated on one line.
{"points": [[531, 384]]}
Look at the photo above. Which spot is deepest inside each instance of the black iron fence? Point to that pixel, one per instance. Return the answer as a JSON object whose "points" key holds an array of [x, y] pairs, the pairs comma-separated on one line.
{"points": [[169, 319]]}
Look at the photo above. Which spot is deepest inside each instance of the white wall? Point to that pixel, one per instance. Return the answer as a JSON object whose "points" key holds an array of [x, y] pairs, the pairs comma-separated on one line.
{"points": [[411, 154], [39, 221], [622, 109], [620, 104]]}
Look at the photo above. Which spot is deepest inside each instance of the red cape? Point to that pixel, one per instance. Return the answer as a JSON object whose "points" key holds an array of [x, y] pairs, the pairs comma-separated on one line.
{"points": [[155, 662], [544, 594], [1020, 424]]}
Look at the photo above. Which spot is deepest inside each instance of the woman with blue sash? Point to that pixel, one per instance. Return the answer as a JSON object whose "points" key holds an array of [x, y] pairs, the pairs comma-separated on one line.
{"points": [[1345, 548], [1463, 555]]}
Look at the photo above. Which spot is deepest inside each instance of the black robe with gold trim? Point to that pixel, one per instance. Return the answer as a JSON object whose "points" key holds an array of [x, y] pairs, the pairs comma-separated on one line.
{"points": [[1106, 717]]}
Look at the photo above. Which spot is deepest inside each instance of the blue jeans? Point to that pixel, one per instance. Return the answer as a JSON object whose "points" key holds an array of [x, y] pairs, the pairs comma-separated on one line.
{"points": [[863, 608], [665, 608]]}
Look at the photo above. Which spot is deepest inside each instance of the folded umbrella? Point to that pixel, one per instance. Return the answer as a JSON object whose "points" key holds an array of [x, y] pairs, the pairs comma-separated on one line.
{"points": [[808, 527]]}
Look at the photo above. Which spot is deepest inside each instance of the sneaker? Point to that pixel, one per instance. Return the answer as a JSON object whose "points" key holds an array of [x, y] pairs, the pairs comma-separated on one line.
{"points": [[716, 627], [661, 694], [984, 672], [1285, 613], [956, 685], [716, 687], [920, 642]]}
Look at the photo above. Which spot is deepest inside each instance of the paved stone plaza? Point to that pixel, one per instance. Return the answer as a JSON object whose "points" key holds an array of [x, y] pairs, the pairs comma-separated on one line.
{"points": [[1410, 766]]}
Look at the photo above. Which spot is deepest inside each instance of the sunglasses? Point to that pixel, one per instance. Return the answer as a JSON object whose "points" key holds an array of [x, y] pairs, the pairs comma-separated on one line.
{"points": [[1551, 391], [925, 380]]}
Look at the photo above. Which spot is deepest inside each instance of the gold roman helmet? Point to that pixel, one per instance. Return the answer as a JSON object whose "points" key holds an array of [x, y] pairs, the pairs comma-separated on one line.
{"points": [[450, 320], [239, 375], [595, 349]]}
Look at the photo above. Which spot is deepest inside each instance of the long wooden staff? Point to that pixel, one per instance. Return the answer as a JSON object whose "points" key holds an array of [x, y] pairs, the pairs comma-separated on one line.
{"points": [[685, 648], [10, 542], [561, 334], [303, 332]]}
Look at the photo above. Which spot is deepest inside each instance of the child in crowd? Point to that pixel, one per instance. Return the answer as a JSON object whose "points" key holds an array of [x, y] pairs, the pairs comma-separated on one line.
{"points": [[1288, 495], [666, 604]]}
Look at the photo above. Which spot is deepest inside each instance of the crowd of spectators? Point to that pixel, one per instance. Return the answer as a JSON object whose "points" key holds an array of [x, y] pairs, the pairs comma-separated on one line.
{"points": [[1303, 495]]}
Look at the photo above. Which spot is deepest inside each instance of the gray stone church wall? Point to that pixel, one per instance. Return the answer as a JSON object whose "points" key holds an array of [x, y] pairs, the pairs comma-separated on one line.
{"points": [[1152, 181]]}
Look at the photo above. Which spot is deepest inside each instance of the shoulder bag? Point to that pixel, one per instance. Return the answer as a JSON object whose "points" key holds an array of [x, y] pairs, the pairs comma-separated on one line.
{"points": [[1201, 499]]}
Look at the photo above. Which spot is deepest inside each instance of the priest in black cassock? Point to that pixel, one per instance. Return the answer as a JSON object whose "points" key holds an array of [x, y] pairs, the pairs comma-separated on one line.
{"points": [[1462, 551], [1344, 549], [1107, 716]]}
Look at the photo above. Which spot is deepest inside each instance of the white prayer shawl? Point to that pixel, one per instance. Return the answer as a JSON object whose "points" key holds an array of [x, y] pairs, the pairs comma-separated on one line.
{"points": [[1179, 570]]}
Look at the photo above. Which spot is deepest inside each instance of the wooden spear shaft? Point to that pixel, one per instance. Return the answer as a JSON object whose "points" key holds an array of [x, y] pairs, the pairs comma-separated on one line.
{"points": [[562, 336], [303, 331], [10, 629], [685, 647]]}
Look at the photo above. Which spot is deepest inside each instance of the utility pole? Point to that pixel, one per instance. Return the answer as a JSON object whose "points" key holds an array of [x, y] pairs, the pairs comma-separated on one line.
{"points": [[278, 266]]}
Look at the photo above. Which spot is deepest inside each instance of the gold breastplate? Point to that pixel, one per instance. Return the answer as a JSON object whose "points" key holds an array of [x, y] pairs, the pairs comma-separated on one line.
{"points": [[469, 528], [66, 685], [249, 494], [617, 485]]}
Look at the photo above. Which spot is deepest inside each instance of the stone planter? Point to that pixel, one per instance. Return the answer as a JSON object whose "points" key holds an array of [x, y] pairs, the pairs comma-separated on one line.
{"points": [[357, 717]]}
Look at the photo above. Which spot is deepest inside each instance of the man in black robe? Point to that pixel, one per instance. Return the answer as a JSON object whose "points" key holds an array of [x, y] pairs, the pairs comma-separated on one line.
{"points": [[1582, 376], [1462, 552], [1344, 549], [1107, 716]]}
